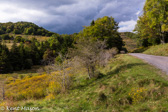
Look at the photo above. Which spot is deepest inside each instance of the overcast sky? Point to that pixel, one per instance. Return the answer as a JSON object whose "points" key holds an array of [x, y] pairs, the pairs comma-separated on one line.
{"points": [[69, 16]]}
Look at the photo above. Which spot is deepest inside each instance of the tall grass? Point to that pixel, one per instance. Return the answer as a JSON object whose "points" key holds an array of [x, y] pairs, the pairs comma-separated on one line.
{"points": [[128, 85], [160, 50]]}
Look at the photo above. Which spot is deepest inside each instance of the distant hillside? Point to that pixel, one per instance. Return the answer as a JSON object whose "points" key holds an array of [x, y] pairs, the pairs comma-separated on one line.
{"points": [[129, 40], [25, 28]]}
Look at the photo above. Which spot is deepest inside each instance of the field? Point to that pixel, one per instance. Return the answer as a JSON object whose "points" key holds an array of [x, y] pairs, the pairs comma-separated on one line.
{"points": [[39, 38], [17, 74], [126, 84], [9, 43]]}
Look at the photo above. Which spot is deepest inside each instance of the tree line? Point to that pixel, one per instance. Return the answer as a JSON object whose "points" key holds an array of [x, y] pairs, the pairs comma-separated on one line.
{"points": [[34, 52]]}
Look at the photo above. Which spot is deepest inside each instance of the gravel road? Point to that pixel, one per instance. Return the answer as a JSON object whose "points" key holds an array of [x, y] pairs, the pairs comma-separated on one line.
{"points": [[160, 62]]}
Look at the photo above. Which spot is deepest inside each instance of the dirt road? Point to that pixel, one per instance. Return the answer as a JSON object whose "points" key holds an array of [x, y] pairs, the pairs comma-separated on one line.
{"points": [[160, 62]]}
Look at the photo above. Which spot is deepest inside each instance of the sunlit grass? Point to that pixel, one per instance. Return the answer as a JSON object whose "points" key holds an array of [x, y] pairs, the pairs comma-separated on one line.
{"points": [[123, 76], [9, 43], [38, 37], [160, 50]]}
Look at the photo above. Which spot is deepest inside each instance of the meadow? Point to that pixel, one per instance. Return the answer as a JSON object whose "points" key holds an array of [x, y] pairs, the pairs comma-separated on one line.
{"points": [[125, 84], [29, 37]]}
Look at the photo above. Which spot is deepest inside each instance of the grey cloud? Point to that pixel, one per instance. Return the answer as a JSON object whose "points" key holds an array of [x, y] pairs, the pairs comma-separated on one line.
{"points": [[68, 16], [39, 3]]}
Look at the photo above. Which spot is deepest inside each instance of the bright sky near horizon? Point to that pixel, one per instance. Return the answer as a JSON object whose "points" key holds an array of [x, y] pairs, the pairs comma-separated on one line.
{"points": [[69, 16]]}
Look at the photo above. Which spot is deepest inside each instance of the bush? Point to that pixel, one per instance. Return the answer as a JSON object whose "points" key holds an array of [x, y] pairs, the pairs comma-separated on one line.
{"points": [[5, 37], [19, 39]]}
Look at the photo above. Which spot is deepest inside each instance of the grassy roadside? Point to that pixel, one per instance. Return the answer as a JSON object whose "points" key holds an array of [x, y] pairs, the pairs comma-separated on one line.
{"points": [[128, 85], [160, 50]]}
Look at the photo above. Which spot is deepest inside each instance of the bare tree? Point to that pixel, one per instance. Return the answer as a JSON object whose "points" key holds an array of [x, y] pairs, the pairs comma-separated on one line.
{"points": [[106, 55], [90, 54], [60, 72]]}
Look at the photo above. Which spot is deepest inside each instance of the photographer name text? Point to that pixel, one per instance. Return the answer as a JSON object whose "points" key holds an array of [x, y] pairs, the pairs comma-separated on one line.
{"points": [[18, 108]]}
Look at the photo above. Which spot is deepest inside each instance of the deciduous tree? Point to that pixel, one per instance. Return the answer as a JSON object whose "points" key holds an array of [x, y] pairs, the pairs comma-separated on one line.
{"points": [[104, 29], [154, 21]]}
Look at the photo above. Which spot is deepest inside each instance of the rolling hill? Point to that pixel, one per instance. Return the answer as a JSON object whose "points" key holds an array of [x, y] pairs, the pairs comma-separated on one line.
{"points": [[26, 28], [130, 43]]}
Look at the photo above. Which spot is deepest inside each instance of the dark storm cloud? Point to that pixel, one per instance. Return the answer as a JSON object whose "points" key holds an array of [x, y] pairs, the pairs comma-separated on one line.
{"points": [[68, 16], [39, 3]]}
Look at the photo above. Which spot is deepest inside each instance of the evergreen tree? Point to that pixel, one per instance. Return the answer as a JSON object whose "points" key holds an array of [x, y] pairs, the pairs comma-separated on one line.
{"points": [[22, 55], [34, 53], [15, 57], [5, 65]]}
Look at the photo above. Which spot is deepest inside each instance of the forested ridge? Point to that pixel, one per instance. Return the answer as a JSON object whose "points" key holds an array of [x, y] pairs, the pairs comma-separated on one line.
{"points": [[26, 28]]}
